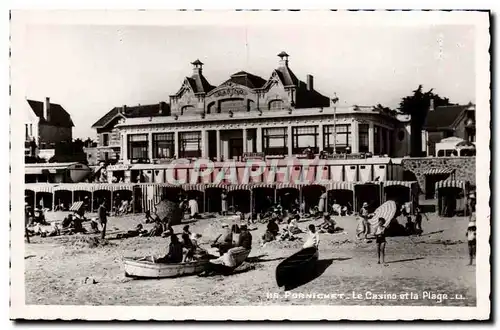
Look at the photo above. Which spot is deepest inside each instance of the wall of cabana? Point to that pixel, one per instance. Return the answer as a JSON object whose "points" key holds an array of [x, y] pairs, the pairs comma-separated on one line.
{"points": [[350, 170], [240, 197]]}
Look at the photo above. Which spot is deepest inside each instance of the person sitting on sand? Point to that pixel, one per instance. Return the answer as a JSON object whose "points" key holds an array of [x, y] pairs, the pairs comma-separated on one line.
{"points": [[227, 241], [157, 230], [380, 239], [271, 232], [293, 226], [66, 223], [149, 218], [313, 239], [245, 239], [174, 254], [328, 224]]}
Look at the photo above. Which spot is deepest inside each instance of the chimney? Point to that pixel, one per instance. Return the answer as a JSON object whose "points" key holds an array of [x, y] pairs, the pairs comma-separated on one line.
{"points": [[431, 106], [124, 108], [46, 109], [162, 108], [310, 82], [197, 67], [283, 59]]}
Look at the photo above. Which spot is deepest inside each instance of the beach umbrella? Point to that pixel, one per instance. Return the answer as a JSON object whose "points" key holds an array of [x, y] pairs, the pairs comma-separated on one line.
{"points": [[168, 211], [386, 211]]}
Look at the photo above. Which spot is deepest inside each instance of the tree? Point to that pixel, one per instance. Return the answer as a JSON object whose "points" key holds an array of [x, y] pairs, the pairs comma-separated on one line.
{"points": [[66, 151], [417, 105], [388, 111]]}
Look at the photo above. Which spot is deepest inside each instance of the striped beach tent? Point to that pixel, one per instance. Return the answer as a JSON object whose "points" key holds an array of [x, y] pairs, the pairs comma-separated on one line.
{"points": [[191, 187], [448, 194], [341, 185], [439, 170], [391, 188], [451, 184]]}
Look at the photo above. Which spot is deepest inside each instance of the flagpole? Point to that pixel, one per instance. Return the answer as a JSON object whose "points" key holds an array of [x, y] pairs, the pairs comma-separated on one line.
{"points": [[335, 100]]}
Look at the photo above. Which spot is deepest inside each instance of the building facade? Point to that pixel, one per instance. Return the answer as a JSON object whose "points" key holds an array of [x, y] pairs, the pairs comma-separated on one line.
{"points": [[280, 116], [109, 139], [449, 121], [46, 124]]}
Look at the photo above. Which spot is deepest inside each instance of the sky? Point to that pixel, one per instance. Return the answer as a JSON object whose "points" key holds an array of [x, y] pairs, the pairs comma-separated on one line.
{"points": [[89, 68]]}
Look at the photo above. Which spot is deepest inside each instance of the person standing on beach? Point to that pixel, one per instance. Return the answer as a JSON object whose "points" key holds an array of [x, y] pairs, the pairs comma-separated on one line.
{"points": [[471, 239], [380, 239], [313, 239], [103, 217], [27, 217], [363, 213], [223, 198]]}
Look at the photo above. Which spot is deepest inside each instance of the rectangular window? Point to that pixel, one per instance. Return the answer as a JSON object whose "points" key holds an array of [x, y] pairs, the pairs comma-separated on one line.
{"points": [[304, 137], [383, 147], [31, 129], [26, 134], [339, 136], [274, 141], [105, 139], [137, 146], [190, 144], [376, 143], [363, 137], [163, 145]]}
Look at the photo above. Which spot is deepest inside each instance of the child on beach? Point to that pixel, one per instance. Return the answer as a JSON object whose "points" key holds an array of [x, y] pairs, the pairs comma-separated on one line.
{"points": [[380, 239], [471, 238]]}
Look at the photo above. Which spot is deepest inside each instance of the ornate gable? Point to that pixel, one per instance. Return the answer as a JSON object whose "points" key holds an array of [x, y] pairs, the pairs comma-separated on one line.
{"points": [[229, 89]]}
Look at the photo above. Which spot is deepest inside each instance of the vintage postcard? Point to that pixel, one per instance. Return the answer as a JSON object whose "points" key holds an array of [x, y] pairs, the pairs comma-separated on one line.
{"points": [[250, 165]]}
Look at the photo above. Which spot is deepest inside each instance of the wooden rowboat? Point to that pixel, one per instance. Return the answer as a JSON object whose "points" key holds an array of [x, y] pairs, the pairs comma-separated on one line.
{"points": [[297, 266], [134, 267]]}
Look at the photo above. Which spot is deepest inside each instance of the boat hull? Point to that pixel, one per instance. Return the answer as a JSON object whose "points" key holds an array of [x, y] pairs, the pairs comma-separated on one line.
{"points": [[146, 269], [297, 267]]}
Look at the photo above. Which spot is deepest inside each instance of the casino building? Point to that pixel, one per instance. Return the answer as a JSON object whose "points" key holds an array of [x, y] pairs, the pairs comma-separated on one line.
{"points": [[274, 118]]}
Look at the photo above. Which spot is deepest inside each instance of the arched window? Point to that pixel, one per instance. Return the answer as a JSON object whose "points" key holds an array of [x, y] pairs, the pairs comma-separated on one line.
{"points": [[276, 105], [186, 108]]}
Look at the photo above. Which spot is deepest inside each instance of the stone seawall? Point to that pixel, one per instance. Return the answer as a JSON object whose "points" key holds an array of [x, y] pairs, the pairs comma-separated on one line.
{"points": [[464, 168]]}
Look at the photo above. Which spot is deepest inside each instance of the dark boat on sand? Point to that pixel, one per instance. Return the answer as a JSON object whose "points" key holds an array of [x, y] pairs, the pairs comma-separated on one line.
{"points": [[297, 267]]}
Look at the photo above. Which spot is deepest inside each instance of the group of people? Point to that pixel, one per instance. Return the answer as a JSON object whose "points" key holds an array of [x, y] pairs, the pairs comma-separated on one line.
{"points": [[185, 250]]}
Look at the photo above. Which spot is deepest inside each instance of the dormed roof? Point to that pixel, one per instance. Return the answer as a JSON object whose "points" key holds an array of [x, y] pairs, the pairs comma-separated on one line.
{"points": [[199, 84], [58, 116], [444, 116], [147, 110], [247, 79]]}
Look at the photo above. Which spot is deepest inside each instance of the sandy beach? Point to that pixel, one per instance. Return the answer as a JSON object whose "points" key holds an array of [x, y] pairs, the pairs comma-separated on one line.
{"points": [[418, 270]]}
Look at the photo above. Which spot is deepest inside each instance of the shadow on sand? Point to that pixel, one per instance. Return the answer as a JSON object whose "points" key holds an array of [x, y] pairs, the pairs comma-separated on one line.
{"points": [[259, 258], [321, 266], [404, 260]]}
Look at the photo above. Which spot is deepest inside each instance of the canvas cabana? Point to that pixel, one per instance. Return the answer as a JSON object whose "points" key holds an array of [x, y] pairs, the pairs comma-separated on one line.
{"points": [[451, 196], [287, 193], [239, 196], [196, 191], [401, 192], [261, 194], [369, 192], [213, 200], [341, 193], [42, 194], [29, 197], [311, 195]]}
